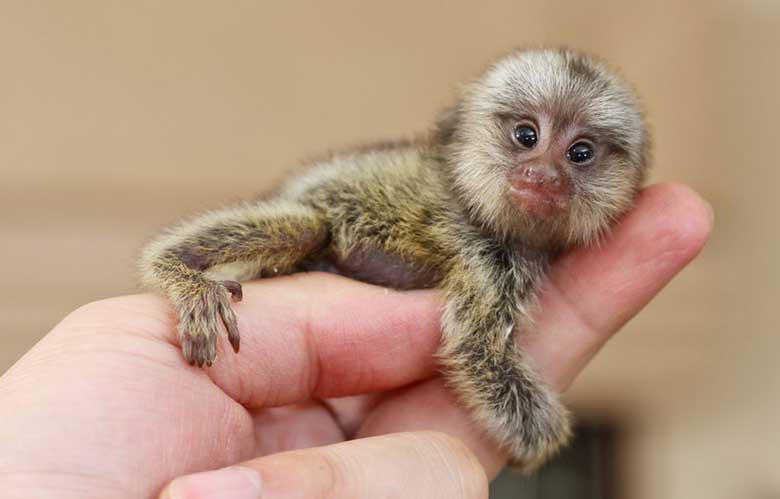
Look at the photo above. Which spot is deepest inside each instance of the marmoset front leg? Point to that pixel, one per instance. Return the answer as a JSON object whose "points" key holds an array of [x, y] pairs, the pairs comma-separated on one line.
{"points": [[256, 239]]}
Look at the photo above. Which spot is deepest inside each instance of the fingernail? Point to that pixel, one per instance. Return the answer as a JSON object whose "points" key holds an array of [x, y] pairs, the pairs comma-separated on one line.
{"points": [[234, 483]]}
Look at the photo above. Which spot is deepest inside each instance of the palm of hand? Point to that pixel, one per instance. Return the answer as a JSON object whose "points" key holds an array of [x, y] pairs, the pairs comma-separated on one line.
{"points": [[157, 417]]}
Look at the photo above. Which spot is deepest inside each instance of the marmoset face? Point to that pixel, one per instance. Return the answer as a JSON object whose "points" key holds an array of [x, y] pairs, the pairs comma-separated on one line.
{"points": [[549, 146]]}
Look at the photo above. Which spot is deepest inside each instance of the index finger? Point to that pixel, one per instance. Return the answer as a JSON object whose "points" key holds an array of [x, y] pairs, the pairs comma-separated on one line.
{"points": [[320, 335]]}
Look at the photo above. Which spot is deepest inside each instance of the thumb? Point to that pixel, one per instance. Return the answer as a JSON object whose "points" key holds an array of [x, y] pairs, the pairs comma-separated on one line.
{"points": [[424, 465]]}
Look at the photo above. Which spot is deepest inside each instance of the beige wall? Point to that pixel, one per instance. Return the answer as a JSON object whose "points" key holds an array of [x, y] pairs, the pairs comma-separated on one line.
{"points": [[118, 117]]}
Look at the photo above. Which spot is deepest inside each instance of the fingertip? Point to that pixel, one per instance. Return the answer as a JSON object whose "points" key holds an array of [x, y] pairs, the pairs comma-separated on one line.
{"points": [[689, 215], [594, 291], [670, 224]]}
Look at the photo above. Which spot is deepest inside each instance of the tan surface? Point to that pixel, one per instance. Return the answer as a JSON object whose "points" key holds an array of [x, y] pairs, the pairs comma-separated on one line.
{"points": [[117, 118]]}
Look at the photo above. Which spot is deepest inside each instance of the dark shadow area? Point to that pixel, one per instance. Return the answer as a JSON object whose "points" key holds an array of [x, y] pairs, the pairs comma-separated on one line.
{"points": [[587, 469]]}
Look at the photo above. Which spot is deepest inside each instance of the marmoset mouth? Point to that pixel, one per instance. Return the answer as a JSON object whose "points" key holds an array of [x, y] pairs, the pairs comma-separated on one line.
{"points": [[537, 199]]}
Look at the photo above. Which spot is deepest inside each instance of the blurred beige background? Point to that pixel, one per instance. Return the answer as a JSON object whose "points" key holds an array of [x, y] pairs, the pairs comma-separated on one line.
{"points": [[117, 118]]}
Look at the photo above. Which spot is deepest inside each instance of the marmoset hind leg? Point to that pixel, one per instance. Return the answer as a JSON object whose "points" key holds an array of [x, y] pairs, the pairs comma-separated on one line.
{"points": [[484, 305], [269, 238]]}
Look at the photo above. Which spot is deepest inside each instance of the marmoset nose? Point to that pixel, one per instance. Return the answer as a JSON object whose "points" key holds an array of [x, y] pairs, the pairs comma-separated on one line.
{"points": [[539, 185], [541, 175]]}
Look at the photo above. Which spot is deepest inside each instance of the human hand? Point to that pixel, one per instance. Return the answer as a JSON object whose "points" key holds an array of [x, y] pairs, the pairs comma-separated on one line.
{"points": [[105, 406]]}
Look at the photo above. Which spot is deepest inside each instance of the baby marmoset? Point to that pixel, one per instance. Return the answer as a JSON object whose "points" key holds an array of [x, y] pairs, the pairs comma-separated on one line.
{"points": [[545, 150]]}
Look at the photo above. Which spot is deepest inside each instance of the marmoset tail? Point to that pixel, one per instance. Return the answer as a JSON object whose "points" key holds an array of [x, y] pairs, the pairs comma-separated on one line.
{"points": [[544, 151]]}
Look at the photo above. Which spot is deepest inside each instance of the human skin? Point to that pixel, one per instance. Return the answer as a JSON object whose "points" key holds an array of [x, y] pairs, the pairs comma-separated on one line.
{"points": [[105, 405]]}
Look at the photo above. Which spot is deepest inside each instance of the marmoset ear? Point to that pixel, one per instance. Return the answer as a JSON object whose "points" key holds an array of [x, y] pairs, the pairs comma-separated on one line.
{"points": [[446, 125]]}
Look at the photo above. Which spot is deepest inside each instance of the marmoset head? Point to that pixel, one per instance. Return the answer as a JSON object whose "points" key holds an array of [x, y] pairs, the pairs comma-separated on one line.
{"points": [[549, 146]]}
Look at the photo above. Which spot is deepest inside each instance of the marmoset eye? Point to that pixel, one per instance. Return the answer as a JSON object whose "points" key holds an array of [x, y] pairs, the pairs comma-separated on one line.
{"points": [[580, 153], [525, 136]]}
